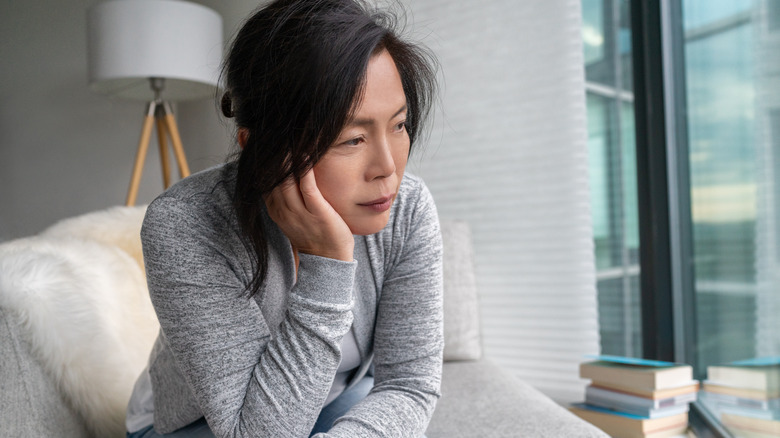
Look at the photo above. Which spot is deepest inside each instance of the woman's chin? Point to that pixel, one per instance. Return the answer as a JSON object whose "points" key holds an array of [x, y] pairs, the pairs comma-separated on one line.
{"points": [[366, 226]]}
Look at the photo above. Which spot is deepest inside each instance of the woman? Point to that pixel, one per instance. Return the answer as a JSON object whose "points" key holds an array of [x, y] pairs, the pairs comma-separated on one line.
{"points": [[302, 280]]}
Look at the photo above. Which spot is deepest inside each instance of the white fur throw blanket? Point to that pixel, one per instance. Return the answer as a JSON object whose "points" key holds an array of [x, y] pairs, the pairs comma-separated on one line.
{"points": [[80, 293]]}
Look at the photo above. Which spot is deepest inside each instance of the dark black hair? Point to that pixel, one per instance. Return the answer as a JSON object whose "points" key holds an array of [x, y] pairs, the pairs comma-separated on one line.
{"points": [[294, 75]]}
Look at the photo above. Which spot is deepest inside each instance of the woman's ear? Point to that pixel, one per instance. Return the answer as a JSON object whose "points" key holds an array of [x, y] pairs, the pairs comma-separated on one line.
{"points": [[243, 136]]}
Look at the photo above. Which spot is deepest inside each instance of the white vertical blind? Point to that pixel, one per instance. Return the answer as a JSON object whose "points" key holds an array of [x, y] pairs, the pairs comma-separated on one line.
{"points": [[508, 155]]}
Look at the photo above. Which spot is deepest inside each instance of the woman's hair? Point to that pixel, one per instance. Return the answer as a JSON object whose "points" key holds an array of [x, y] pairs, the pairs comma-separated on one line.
{"points": [[294, 76]]}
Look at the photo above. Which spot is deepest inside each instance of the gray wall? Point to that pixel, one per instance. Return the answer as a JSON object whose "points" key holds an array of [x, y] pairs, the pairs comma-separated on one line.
{"points": [[65, 150]]}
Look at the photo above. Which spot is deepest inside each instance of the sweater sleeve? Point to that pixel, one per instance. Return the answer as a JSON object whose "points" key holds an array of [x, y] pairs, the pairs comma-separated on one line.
{"points": [[408, 339], [247, 381]]}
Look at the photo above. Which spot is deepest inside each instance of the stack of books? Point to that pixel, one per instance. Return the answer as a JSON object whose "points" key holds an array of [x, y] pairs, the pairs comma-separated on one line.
{"points": [[745, 396], [637, 398]]}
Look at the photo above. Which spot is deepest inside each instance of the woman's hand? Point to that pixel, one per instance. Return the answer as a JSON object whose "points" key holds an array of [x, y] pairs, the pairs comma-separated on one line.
{"points": [[308, 220]]}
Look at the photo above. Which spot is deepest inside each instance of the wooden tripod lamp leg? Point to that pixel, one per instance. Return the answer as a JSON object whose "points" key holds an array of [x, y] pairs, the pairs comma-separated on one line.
{"points": [[173, 130], [143, 147], [162, 139]]}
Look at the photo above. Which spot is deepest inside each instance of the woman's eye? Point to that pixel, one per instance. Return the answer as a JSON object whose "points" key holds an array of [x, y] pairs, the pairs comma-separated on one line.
{"points": [[353, 142], [401, 126]]}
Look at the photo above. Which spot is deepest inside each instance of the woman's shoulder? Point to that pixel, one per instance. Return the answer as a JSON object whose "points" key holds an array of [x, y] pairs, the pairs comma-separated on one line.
{"points": [[205, 185], [411, 182], [413, 198], [411, 231], [205, 196], [412, 210]]}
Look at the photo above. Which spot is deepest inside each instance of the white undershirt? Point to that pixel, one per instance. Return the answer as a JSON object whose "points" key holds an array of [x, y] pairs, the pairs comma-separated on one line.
{"points": [[140, 409], [350, 359]]}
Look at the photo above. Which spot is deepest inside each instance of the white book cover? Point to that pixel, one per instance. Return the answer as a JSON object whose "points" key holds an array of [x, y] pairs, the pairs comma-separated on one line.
{"points": [[640, 412], [762, 374], [772, 404], [643, 407]]}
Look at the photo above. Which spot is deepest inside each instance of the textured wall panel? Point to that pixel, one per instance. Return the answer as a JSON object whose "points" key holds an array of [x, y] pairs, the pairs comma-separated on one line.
{"points": [[508, 155]]}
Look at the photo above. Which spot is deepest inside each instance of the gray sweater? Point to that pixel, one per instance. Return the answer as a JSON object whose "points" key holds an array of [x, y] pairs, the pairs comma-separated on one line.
{"points": [[263, 366]]}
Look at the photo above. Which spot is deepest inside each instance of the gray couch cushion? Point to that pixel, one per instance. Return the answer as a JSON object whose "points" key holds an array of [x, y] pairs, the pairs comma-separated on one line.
{"points": [[30, 405], [479, 399], [461, 308]]}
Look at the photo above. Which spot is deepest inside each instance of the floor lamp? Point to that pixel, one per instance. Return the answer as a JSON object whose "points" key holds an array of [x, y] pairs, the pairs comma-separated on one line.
{"points": [[159, 51]]}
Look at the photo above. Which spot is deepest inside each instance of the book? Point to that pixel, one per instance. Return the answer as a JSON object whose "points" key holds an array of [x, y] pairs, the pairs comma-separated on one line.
{"points": [[637, 373], [745, 433], [756, 377], [641, 406], [655, 394], [640, 412], [624, 425], [754, 394], [722, 399], [747, 412], [676, 432], [719, 404], [751, 423]]}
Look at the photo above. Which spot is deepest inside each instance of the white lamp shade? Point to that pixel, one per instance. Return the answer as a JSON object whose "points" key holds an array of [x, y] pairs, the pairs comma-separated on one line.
{"points": [[130, 41]]}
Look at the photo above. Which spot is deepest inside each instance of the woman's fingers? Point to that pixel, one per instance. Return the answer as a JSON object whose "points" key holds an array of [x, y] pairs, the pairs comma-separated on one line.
{"points": [[307, 219], [310, 195], [288, 195], [301, 197]]}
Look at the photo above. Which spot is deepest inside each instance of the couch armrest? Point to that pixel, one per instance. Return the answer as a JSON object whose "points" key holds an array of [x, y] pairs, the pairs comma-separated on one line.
{"points": [[479, 399], [30, 404]]}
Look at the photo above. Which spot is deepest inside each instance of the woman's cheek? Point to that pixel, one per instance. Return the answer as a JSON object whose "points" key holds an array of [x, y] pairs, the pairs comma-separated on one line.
{"points": [[329, 183]]}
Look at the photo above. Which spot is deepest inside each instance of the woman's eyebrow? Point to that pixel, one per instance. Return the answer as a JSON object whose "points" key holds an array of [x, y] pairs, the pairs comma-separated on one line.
{"points": [[371, 121]]}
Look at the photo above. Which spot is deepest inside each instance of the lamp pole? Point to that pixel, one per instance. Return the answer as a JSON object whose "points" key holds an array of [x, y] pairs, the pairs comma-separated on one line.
{"points": [[159, 111]]}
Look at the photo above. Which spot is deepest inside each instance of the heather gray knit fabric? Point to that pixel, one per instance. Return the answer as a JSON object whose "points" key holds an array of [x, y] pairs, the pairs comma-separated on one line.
{"points": [[262, 366]]}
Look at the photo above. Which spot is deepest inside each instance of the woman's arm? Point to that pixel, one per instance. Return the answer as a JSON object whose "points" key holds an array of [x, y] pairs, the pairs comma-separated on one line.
{"points": [[247, 381], [408, 341]]}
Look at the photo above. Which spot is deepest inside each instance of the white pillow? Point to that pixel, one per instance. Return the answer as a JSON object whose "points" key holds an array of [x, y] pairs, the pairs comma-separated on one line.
{"points": [[461, 308]]}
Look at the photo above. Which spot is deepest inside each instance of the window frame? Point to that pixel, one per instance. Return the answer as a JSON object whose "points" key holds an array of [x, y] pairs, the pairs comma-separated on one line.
{"points": [[668, 305]]}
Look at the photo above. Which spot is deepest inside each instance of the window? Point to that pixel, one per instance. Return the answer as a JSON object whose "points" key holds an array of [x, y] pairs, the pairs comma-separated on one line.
{"points": [[732, 82], [721, 116], [706, 163], [606, 38]]}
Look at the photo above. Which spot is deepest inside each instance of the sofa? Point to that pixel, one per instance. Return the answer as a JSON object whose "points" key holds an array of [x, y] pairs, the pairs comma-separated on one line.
{"points": [[76, 327]]}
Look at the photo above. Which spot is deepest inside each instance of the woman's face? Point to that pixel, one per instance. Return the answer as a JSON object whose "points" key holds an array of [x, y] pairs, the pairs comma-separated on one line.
{"points": [[360, 174]]}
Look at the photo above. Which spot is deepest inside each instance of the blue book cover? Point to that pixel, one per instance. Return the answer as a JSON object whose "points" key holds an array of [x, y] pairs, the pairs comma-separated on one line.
{"points": [[609, 411], [633, 361], [758, 362]]}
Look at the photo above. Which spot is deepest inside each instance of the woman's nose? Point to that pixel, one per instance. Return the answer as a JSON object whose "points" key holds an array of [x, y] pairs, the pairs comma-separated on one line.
{"points": [[382, 161]]}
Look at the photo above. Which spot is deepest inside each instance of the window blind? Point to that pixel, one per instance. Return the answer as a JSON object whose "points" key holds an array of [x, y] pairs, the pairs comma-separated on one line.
{"points": [[507, 153]]}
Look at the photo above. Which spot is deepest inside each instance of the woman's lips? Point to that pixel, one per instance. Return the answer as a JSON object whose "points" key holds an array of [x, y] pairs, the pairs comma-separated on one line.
{"points": [[379, 205]]}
